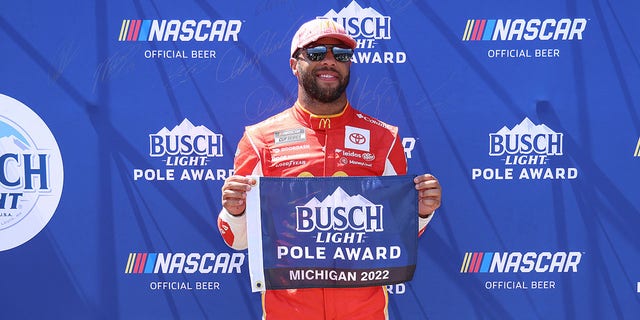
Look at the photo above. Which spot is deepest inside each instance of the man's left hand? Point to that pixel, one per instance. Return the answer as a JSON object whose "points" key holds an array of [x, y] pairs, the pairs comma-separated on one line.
{"points": [[429, 194]]}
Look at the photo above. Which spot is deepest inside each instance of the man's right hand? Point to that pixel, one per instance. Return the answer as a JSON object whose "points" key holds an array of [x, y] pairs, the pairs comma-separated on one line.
{"points": [[234, 193]]}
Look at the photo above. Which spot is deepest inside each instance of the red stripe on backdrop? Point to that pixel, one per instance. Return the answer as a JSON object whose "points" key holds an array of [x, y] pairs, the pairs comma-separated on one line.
{"points": [[131, 27], [474, 260], [135, 266], [480, 255], [481, 30], [143, 262], [137, 29], [475, 29]]}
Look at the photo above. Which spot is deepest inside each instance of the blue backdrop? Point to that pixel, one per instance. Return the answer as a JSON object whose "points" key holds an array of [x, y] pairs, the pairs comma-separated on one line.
{"points": [[527, 112]]}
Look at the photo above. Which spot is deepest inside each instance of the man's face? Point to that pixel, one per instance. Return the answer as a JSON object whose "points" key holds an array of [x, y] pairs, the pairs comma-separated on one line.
{"points": [[324, 80]]}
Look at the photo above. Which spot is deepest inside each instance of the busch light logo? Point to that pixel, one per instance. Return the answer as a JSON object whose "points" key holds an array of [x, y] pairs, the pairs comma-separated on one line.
{"points": [[367, 26], [187, 148], [362, 23], [528, 147], [339, 212], [185, 143], [526, 139], [31, 173]]}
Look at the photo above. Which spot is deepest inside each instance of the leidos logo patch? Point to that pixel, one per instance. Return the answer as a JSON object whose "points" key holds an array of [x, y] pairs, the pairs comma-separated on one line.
{"points": [[31, 174]]}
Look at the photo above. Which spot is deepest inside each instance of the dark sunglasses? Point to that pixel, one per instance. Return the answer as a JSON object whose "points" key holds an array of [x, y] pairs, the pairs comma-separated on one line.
{"points": [[320, 52]]}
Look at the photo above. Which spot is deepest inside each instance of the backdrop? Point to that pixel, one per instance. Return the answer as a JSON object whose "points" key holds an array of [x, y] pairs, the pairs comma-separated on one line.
{"points": [[527, 112]]}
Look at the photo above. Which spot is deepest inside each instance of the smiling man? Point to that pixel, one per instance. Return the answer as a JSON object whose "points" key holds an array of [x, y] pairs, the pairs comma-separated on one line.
{"points": [[321, 135]]}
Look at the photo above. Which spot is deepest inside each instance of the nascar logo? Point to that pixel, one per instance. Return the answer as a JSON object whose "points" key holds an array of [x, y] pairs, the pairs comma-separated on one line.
{"points": [[176, 30], [504, 262], [521, 29], [139, 263]]}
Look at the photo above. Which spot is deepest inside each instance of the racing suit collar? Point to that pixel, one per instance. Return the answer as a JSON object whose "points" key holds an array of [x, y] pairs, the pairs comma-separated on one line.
{"points": [[323, 122]]}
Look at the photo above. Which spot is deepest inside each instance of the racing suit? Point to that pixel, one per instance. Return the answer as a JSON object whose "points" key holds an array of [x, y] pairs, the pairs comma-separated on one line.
{"points": [[296, 143]]}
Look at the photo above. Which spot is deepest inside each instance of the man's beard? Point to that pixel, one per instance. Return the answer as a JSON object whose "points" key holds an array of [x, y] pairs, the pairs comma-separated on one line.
{"points": [[326, 95]]}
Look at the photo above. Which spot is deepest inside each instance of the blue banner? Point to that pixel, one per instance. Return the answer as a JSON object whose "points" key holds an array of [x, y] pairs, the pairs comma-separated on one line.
{"points": [[332, 232]]}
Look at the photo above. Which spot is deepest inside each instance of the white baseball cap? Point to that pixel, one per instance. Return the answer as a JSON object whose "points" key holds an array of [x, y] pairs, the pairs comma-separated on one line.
{"points": [[315, 29]]}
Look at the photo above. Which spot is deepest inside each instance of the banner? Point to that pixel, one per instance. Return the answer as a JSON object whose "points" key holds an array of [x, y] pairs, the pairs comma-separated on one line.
{"points": [[332, 232]]}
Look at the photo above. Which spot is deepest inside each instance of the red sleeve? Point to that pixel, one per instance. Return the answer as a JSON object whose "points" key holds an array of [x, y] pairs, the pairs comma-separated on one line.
{"points": [[396, 160], [247, 159]]}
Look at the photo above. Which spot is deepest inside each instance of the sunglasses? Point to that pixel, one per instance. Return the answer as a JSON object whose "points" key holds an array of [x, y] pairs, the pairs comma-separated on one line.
{"points": [[320, 52]]}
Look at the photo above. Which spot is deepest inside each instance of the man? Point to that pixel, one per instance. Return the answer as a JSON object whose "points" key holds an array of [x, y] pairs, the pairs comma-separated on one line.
{"points": [[317, 137]]}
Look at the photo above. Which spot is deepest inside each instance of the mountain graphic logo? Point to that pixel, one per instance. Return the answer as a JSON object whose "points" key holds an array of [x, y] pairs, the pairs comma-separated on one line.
{"points": [[526, 127], [526, 138], [186, 128], [339, 212], [12, 144], [361, 22], [353, 10]]}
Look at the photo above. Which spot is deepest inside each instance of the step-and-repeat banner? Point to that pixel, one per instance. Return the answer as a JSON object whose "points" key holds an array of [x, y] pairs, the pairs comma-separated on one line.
{"points": [[119, 121]]}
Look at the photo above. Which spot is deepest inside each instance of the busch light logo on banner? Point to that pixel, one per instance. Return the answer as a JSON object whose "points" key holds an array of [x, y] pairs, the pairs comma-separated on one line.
{"points": [[31, 174], [353, 215], [186, 151], [367, 26], [526, 150], [362, 233]]}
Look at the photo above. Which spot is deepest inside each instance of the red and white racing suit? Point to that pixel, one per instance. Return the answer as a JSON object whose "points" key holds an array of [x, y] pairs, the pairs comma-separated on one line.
{"points": [[296, 143]]}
